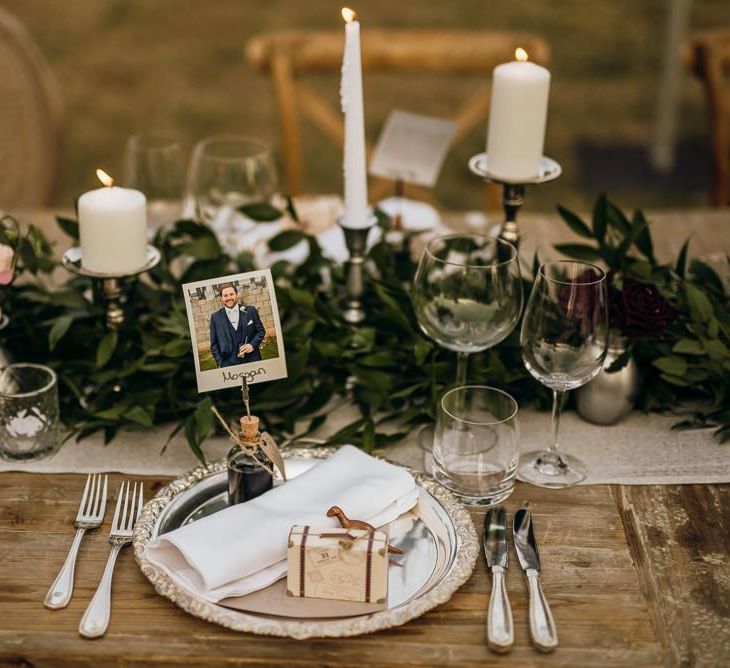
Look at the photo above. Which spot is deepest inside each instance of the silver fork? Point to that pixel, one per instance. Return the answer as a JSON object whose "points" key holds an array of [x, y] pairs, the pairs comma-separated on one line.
{"points": [[90, 516], [95, 621]]}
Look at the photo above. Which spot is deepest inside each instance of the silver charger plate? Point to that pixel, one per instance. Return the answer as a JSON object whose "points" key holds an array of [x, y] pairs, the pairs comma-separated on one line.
{"points": [[439, 540]]}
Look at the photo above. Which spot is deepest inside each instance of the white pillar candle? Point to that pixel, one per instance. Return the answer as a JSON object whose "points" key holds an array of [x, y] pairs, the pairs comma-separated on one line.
{"points": [[357, 214], [517, 118], [112, 229]]}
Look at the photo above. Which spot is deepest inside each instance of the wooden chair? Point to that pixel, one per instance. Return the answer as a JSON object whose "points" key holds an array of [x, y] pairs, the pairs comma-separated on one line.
{"points": [[286, 56], [30, 120], [709, 60]]}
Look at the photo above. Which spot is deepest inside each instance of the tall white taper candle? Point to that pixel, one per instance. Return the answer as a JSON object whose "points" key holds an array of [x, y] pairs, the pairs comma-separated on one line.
{"points": [[357, 214]]}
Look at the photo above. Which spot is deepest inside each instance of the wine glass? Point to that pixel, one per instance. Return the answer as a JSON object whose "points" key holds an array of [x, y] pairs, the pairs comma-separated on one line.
{"points": [[227, 172], [467, 294], [153, 165], [564, 339]]}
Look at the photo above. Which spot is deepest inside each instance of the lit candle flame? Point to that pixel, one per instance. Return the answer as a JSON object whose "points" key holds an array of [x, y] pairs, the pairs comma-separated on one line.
{"points": [[348, 15], [520, 54], [107, 180]]}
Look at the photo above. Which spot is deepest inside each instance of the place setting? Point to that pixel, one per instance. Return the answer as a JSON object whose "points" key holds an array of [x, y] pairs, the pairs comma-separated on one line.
{"points": [[320, 417]]}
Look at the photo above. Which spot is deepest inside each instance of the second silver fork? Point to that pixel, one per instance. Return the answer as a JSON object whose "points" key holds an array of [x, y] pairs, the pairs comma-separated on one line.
{"points": [[95, 621]]}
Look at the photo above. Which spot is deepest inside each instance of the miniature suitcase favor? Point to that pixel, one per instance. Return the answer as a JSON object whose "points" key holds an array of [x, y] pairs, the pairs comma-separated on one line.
{"points": [[336, 563]]}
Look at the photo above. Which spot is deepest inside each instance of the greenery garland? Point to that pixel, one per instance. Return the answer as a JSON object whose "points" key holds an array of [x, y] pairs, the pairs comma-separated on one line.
{"points": [[143, 375]]}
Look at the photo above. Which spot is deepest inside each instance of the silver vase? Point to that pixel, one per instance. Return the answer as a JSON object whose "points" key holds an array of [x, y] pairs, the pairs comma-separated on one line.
{"points": [[610, 397]]}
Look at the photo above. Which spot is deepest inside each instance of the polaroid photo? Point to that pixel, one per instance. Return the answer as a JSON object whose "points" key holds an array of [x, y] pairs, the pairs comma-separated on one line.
{"points": [[235, 330]]}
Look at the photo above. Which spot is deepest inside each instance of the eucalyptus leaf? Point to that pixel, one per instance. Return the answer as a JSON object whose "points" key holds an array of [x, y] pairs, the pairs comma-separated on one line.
{"points": [[106, 348], [600, 217], [68, 226], [139, 416], [689, 347], [291, 209], [575, 223], [202, 248], [673, 365], [58, 330], [699, 304], [286, 239], [642, 236], [176, 348], [579, 252], [722, 435], [261, 212], [681, 265]]}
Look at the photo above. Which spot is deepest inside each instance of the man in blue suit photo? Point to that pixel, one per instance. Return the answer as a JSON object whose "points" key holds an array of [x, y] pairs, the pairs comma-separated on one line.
{"points": [[236, 331]]}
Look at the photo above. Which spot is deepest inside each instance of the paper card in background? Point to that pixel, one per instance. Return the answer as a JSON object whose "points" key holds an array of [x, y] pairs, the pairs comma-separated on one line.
{"points": [[217, 345], [412, 148]]}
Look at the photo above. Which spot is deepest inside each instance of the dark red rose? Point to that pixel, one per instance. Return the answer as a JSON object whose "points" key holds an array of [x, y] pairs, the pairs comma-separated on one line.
{"points": [[640, 311]]}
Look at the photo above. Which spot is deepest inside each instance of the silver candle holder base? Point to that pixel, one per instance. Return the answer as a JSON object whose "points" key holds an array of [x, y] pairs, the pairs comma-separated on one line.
{"points": [[110, 286], [513, 192], [356, 240]]}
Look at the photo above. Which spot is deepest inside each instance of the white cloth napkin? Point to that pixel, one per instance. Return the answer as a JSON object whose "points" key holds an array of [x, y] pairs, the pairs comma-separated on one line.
{"points": [[243, 548]]}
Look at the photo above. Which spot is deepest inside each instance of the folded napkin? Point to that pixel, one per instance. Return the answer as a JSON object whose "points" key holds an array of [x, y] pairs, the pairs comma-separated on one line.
{"points": [[243, 548]]}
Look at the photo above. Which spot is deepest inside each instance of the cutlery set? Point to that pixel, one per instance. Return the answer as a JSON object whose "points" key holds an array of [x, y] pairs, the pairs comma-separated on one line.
{"points": [[500, 631], [91, 512]]}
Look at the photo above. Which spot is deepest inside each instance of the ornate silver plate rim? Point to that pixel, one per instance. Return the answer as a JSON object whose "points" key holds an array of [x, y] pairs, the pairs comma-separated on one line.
{"points": [[549, 170], [465, 556]]}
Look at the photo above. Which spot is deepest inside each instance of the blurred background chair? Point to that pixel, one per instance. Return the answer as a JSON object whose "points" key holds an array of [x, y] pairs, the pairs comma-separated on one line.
{"points": [[30, 120], [709, 60], [286, 56]]}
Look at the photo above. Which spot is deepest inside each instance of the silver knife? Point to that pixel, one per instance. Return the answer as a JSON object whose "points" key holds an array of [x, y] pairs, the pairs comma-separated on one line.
{"points": [[500, 633], [542, 627]]}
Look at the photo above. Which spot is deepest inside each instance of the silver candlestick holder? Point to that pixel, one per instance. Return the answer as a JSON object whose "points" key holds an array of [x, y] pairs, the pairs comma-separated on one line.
{"points": [[356, 239], [110, 286], [513, 192]]}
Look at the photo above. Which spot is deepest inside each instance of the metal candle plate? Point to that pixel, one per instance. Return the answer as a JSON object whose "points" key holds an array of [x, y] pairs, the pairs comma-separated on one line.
{"points": [[439, 540], [72, 262], [549, 170]]}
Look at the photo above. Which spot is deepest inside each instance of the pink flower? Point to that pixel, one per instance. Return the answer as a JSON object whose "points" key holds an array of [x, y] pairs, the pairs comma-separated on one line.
{"points": [[7, 254]]}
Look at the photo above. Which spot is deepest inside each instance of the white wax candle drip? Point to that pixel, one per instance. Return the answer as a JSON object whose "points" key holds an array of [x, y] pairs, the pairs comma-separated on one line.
{"points": [[357, 213], [113, 230], [517, 119]]}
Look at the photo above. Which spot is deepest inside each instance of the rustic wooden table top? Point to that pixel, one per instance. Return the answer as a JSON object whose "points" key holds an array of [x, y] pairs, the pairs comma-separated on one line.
{"points": [[637, 576]]}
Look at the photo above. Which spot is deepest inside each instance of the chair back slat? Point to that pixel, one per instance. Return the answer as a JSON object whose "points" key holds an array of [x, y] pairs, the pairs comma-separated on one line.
{"points": [[30, 120]]}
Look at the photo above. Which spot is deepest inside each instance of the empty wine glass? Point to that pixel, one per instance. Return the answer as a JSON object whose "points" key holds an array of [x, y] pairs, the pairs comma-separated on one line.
{"points": [[467, 294], [226, 173], [564, 339], [153, 164]]}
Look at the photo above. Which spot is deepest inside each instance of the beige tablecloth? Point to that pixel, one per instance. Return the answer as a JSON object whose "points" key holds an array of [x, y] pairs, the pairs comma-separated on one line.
{"points": [[639, 450]]}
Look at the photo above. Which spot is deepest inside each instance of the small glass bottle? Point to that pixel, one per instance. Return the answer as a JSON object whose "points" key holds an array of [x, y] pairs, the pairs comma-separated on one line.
{"points": [[247, 479]]}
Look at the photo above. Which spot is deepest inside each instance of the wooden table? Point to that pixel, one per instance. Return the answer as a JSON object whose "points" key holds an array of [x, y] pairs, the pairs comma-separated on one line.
{"points": [[637, 576]]}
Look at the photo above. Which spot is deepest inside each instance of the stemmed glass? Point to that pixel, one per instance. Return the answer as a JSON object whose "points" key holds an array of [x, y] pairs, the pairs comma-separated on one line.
{"points": [[153, 164], [226, 173], [564, 339], [467, 294]]}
